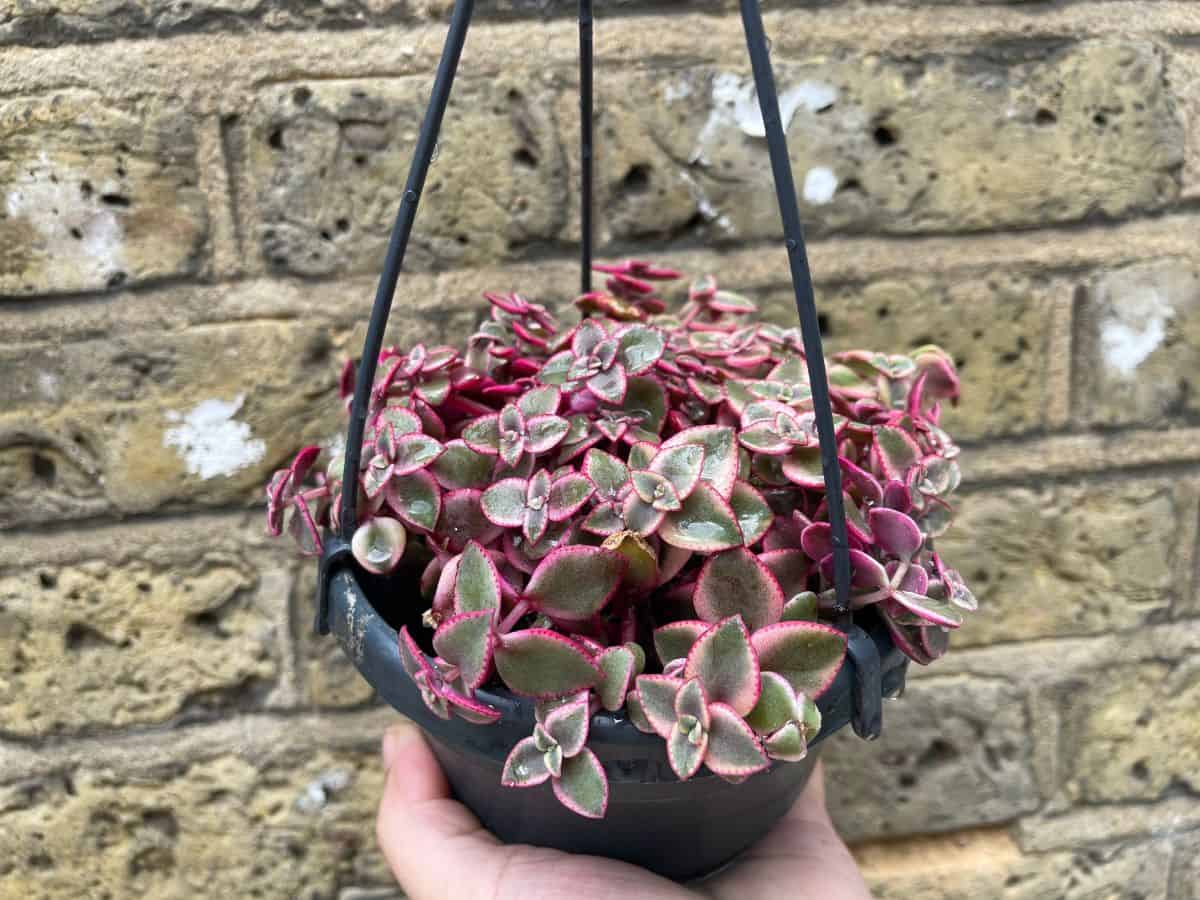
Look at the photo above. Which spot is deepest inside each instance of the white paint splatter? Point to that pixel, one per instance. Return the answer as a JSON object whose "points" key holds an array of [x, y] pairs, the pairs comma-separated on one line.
{"points": [[70, 223], [677, 91], [319, 791], [1133, 329], [820, 184], [735, 104], [211, 442], [48, 385]]}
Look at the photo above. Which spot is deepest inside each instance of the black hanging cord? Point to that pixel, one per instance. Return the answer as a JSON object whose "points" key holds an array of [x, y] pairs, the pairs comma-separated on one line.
{"points": [[789, 212], [422, 156], [585, 144]]}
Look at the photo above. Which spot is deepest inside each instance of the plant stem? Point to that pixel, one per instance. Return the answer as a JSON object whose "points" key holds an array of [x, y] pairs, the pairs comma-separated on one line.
{"points": [[514, 616]]}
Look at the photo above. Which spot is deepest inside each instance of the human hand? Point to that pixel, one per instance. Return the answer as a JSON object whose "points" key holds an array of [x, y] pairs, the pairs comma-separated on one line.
{"points": [[438, 850]]}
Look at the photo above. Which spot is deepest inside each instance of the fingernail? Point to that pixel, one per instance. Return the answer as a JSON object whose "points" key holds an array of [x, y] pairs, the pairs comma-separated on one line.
{"points": [[394, 740]]}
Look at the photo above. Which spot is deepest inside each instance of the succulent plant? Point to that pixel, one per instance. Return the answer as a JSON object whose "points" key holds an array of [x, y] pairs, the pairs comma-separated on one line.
{"points": [[629, 514]]}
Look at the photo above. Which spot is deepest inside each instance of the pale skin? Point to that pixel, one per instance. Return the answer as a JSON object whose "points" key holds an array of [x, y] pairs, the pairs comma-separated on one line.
{"points": [[438, 850]]}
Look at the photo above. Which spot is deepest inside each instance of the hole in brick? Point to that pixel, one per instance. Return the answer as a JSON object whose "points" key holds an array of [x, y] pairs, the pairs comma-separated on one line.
{"points": [[47, 580], [86, 189], [360, 159], [326, 235], [636, 180], [121, 171], [1100, 119], [850, 184], [80, 637], [1140, 770], [342, 225], [41, 860], [907, 779], [884, 135], [883, 312], [938, 752], [524, 158], [43, 468], [144, 587], [1044, 117], [77, 234], [462, 239], [116, 279], [275, 138], [115, 200], [301, 95]]}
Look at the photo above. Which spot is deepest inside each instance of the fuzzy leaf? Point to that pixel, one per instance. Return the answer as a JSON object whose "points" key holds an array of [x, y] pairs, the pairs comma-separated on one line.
{"points": [[412, 658], [477, 582], [685, 750], [726, 664], [735, 583], [790, 568], [802, 607], [537, 662], [378, 545], [753, 514], [641, 454], [415, 499], [535, 522], [544, 433], [470, 710], [574, 583], [675, 640], [706, 523], [866, 573], [807, 654], [617, 664], [787, 744], [639, 516], [583, 787], [461, 467], [720, 454], [763, 438], [637, 715], [483, 435], [603, 520], [567, 495], [939, 612], [540, 401], [646, 404], [732, 747], [656, 490], [466, 641], [656, 694], [776, 705], [681, 466], [606, 472], [691, 703], [609, 385], [895, 451], [894, 532], [504, 502], [802, 466], [555, 369], [525, 766], [568, 725], [640, 347], [414, 452], [641, 562]]}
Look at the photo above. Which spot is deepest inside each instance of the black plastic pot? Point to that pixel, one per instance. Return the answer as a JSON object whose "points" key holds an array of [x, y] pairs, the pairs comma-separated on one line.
{"points": [[679, 829]]}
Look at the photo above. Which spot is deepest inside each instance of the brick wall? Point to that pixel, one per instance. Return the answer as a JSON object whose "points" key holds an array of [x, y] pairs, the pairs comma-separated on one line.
{"points": [[196, 198]]}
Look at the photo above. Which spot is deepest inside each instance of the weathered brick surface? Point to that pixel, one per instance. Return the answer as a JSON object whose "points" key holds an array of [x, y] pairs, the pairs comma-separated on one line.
{"points": [[96, 195]]}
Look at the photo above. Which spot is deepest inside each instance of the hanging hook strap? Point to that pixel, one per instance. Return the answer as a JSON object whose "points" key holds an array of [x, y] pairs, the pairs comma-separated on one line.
{"points": [[422, 156], [810, 331], [585, 145]]}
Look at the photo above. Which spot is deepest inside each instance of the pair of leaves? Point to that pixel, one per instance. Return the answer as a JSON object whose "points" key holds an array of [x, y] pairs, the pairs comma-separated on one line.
{"points": [[556, 753], [534, 504]]}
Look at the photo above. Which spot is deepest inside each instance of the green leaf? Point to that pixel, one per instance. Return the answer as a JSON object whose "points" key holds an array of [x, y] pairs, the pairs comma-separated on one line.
{"points": [[807, 654], [681, 466], [656, 490], [415, 499], [726, 665], [504, 502], [415, 452], [556, 367], [610, 384], [895, 450], [540, 401], [691, 705], [640, 454], [603, 520], [641, 571], [583, 787], [720, 453], [525, 766], [606, 472], [686, 749], [675, 640], [640, 347], [483, 435], [753, 514], [802, 607], [544, 433], [378, 544], [537, 662], [787, 744], [802, 466], [567, 495], [646, 403], [574, 583], [465, 640], [777, 705], [461, 467], [790, 568], [617, 664], [637, 715], [937, 611], [640, 517], [733, 750], [657, 695], [706, 523], [735, 583], [568, 725], [477, 583]]}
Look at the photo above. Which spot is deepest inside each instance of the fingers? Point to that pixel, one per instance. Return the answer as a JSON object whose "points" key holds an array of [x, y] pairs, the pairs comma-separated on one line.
{"points": [[434, 846]]}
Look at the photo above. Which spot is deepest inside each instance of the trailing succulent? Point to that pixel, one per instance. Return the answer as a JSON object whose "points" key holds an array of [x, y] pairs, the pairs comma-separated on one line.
{"points": [[629, 514]]}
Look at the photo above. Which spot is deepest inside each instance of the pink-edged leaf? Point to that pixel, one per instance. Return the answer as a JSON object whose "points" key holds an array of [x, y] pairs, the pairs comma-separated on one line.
{"points": [[681, 466], [860, 482], [641, 453], [537, 662], [375, 477], [720, 465], [934, 641], [646, 404], [915, 580], [640, 347], [583, 786], [897, 496], [691, 703], [567, 495], [808, 654], [414, 452], [525, 766], [544, 433], [443, 596], [535, 522], [412, 658], [470, 709], [686, 749], [462, 520], [675, 639], [657, 693], [894, 451], [726, 664], [540, 401], [777, 704], [636, 714], [817, 540], [786, 532], [465, 640], [639, 516], [483, 435], [937, 517], [938, 612], [802, 607], [504, 503], [894, 532], [609, 385], [587, 336], [671, 562], [735, 583], [866, 572], [733, 748], [787, 744], [791, 569], [603, 520], [477, 581], [656, 490], [554, 370], [606, 472], [762, 437], [416, 499], [641, 562], [706, 523], [461, 467], [618, 665], [802, 466], [377, 545], [568, 726], [753, 514], [574, 583], [906, 638]]}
